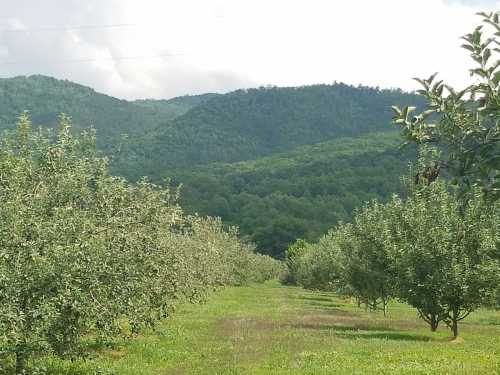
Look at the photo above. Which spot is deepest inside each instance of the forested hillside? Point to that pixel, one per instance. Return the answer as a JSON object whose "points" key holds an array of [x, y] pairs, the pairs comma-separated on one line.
{"points": [[247, 124], [281, 163], [46, 98], [297, 194]]}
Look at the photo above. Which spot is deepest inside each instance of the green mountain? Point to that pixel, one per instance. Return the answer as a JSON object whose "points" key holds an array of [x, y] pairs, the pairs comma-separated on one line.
{"points": [[300, 193], [281, 163], [45, 98], [166, 110], [247, 124]]}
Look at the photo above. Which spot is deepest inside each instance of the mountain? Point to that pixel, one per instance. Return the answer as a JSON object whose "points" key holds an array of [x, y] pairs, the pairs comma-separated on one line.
{"points": [[45, 98], [300, 193], [280, 163], [167, 110], [247, 124]]}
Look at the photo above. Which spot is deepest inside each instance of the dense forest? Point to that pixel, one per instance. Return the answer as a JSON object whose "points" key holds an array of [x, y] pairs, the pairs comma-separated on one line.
{"points": [[280, 163], [46, 98], [248, 124], [297, 194]]}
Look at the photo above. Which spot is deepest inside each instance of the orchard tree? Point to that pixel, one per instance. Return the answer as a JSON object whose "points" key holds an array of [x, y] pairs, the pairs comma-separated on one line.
{"points": [[82, 252], [461, 127], [292, 256], [317, 266], [463, 124], [444, 253], [75, 244], [366, 262]]}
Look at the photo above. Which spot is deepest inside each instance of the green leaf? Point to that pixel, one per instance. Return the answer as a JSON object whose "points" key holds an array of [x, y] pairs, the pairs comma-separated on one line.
{"points": [[493, 162], [396, 110], [486, 55], [496, 78], [468, 47]]}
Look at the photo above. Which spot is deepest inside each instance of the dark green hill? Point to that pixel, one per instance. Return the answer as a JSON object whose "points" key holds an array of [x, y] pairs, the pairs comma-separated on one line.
{"points": [[248, 124], [166, 110], [45, 98], [300, 193], [281, 163]]}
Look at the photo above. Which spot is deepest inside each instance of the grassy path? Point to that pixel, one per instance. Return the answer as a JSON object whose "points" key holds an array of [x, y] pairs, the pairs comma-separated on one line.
{"points": [[271, 329]]}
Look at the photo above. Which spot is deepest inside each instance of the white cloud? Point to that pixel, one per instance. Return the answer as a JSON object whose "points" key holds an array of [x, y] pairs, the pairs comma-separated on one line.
{"points": [[221, 45], [488, 4]]}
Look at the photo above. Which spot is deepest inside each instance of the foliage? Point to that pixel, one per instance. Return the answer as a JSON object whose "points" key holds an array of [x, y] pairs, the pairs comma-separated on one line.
{"points": [[445, 254], [248, 124], [298, 194], [292, 256], [428, 250], [353, 260], [46, 97], [463, 124], [82, 252], [316, 268], [365, 257]]}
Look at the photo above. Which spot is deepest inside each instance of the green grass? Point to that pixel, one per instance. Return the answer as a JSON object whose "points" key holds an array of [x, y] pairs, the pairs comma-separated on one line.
{"points": [[273, 329]]}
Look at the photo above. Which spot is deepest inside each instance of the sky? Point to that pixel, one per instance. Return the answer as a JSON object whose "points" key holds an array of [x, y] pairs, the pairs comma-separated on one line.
{"points": [[165, 48]]}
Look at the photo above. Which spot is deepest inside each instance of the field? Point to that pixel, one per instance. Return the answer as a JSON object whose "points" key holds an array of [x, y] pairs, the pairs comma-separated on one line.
{"points": [[273, 329]]}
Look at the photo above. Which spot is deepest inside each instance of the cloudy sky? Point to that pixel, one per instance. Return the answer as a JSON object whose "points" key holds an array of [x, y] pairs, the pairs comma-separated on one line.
{"points": [[166, 48]]}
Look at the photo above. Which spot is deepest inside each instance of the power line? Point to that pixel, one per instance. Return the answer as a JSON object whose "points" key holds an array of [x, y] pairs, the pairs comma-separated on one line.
{"points": [[71, 61], [68, 28], [80, 27]]}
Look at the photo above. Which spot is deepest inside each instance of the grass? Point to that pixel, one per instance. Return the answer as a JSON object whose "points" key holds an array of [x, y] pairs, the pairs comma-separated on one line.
{"points": [[273, 329]]}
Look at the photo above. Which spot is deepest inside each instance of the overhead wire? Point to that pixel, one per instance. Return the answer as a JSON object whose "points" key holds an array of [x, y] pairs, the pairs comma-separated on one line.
{"points": [[83, 60], [66, 28], [71, 61]]}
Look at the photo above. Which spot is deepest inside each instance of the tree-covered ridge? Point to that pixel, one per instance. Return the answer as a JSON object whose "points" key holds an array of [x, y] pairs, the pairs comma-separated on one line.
{"points": [[172, 108], [292, 174], [247, 124], [45, 98], [300, 193]]}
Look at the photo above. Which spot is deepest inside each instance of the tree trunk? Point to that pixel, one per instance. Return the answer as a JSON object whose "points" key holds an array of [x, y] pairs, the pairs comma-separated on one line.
{"points": [[454, 318], [454, 327], [434, 323], [20, 362], [430, 318]]}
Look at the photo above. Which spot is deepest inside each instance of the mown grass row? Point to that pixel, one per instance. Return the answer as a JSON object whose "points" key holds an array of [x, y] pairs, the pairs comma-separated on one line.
{"points": [[273, 329]]}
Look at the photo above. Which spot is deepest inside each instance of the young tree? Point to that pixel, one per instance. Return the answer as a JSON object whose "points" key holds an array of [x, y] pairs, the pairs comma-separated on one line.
{"points": [[365, 257], [317, 265], [292, 256], [444, 254]]}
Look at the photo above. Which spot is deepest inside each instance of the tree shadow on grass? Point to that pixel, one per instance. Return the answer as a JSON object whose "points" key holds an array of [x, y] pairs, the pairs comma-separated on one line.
{"points": [[325, 305], [342, 328], [315, 298], [329, 309], [365, 331], [399, 336]]}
